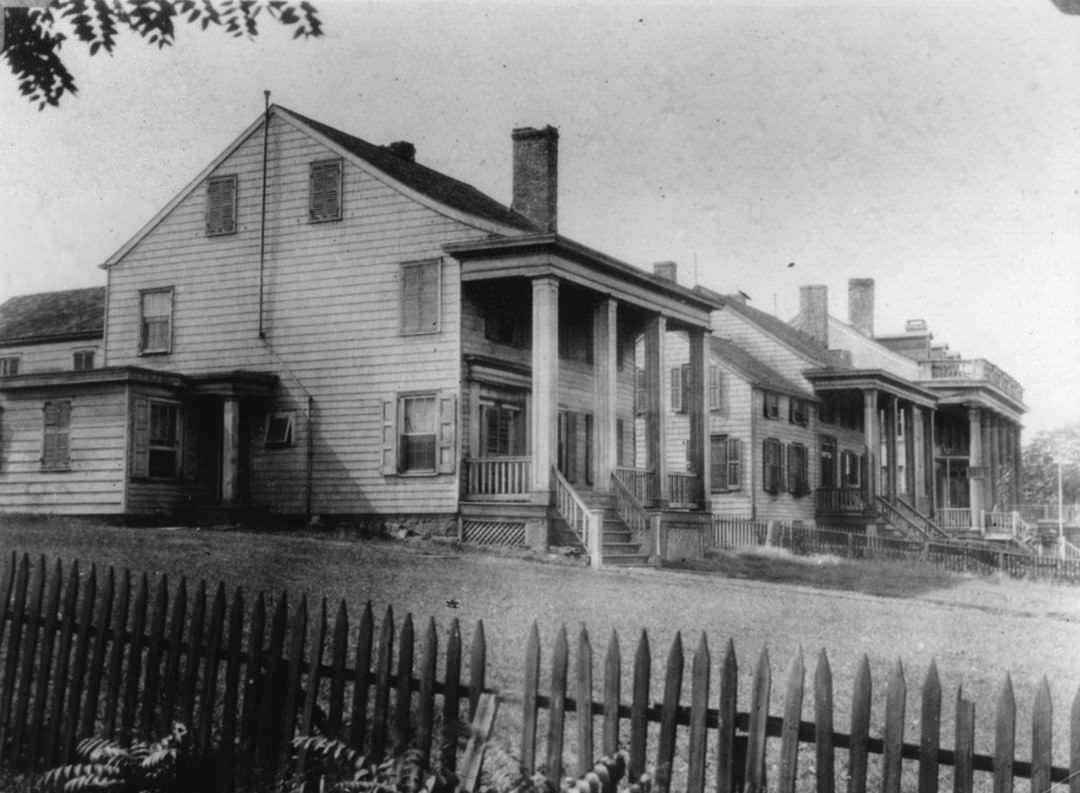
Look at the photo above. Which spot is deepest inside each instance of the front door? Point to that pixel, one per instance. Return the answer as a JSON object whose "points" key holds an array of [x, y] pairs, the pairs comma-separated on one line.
{"points": [[575, 453]]}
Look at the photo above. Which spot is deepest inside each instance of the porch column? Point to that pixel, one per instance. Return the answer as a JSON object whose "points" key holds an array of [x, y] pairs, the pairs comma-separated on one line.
{"points": [[698, 409], [605, 379], [230, 449], [931, 461], [655, 429], [544, 423], [873, 443], [891, 463], [916, 441], [976, 472], [1018, 463]]}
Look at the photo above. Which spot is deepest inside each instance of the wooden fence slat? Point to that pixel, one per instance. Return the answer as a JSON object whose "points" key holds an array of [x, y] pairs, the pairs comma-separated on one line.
{"points": [[11, 662], [209, 689], [860, 728], [699, 705], [1074, 745], [823, 720], [195, 649], [483, 719], [314, 682], [639, 707], [665, 753], [269, 703], [725, 731], [529, 701], [612, 694], [26, 670], [584, 695], [291, 705], [930, 731], [1042, 743], [403, 694], [380, 725], [557, 708], [789, 744], [155, 649], [170, 682], [134, 659], [254, 682], [63, 656], [338, 659], [364, 638], [425, 710], [964, 753], [451, 700], [759, 716], [895, 701], [477, 667], [115, 663], [1005, 738], [78, 666], [102, 618], [44, 676], [232, 687], [7, 583]]}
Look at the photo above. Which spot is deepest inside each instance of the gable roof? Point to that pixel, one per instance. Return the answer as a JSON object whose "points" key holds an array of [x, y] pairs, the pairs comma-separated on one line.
{"points": [[437, 186], [52, 316], [753, 369]]}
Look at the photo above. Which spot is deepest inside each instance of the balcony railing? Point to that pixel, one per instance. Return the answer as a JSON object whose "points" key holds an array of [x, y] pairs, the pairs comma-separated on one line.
{"points": [[974, 369], [684, 490], [954, 518], [1002, 522], [840, 501], [498, 478], [640, 482]]}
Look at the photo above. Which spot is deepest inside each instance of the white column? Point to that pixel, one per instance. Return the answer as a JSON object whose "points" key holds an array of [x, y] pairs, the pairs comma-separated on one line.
{"points": [[873, 443], [916, 441], [891, 463], [698, 410], [976, 470], [230, 449], [543, 424], [655, 412], [605, 380]]}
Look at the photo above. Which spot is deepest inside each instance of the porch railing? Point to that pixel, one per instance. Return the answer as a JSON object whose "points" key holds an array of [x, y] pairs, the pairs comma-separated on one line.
{"points": [[639, 481], [587, 524], [955, 518], [1002, 522], [684, 490], [840, 501], [498, 477], [972, 369], [629, 508]]}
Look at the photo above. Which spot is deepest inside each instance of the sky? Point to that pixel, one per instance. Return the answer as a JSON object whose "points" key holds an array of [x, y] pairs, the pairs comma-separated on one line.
{"points": [[932, 146]]}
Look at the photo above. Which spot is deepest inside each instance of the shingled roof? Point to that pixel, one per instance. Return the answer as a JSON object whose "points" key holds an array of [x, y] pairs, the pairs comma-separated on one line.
{"points": [[782, 331], [435, 185], [754, 370], [48, 316]]}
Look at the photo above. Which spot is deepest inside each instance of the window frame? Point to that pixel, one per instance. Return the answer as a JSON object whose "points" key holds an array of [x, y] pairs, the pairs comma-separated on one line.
{"points": [[852, 478], [716, 389], [772, 461], [143, 331], [214, 231], [730, 464], [403, 400], [506, 413], [84, 354], [828, 461], [63, 462], [798, 469], [314, 168], [285, 439], [771, 405], [798, 411], [9, 365], [176, 448], [436, 265]]}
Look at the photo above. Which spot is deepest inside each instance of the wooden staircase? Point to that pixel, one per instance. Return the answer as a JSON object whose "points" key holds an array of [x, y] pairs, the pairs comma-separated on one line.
{"points": [[618, 546]]}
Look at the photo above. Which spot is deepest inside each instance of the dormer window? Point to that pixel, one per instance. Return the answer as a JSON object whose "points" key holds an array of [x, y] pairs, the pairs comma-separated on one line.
{"points": [[324, 200], [221, 206]]}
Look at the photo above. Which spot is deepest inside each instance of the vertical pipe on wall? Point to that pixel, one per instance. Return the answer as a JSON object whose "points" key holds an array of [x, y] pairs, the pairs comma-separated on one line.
{"points": [[310, 460], [262, 211]]}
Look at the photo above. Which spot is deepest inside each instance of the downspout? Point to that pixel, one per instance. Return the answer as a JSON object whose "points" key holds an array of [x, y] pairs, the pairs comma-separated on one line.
{"points": [[753, 450], [262, 218], [310, 466]]}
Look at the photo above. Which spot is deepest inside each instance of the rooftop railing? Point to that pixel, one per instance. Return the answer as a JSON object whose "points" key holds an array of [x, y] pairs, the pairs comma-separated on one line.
{"points": [[973, 369]]}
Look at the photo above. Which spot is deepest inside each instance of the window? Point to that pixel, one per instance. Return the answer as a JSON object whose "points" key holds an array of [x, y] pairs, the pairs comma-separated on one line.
{"points": [[680, 387], [164, 446], [849, 468], [419, 432], [772, 405], [726, 456], [279, 429], [828, 461], [83, 360], [640, 395], [504, 327], [221, 206], [798, 470], [716, 393], [56, 444], [420, 297], [156, 308], [324, 200], [576, 335], [798, 411], [502, 430], [9, 366], [772, 462]]}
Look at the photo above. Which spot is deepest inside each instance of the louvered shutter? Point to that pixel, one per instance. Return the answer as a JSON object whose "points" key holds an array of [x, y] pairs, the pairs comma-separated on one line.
{"points": [[447, 432], [140, 439], [389, 437], [410, 298], [715, 382], [718, 470], [429, 296], [734, 461], [588, 448], [325, 187], [55, 447], [676, 390], [63, 435], [571, 446]]}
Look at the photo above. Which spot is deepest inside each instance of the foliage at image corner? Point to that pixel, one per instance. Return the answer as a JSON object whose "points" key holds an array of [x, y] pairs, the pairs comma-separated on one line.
{"points": [[33, 37], [332, 766]]}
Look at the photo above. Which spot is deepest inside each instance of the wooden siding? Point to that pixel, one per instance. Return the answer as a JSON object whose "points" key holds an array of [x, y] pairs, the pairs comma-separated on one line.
{"points": [[51, 357], [783, 505], [95, 483], [762, 346], [331, 318], [869, 354], [734, 420]]}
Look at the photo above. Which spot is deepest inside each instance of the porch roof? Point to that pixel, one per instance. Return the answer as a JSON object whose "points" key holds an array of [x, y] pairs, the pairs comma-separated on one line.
{"points": [[233, 383], [844, 379], [536, 255]]}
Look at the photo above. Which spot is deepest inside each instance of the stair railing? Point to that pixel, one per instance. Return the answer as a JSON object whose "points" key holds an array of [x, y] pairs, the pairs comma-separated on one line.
{"points": [[894, 515], [630, 510], [928, 525], [587, 524]]}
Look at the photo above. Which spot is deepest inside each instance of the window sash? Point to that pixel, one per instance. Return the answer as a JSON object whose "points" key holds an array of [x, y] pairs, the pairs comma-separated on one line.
{"points": [[56, 440], [771, 405], [417, 437], [715, 388], [9, 366], [324, 202], [420, 297], [221, 205], [82, 360], [279, 429], [156, 321]]}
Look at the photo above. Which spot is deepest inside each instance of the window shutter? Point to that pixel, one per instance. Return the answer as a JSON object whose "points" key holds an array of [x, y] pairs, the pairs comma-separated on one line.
{"points": [[734, 459], [446, 433], [685, 376], [429, 297], [639, 391], [792, 468], [718, 472], [571, 446], [389, 437], [676, 390], [140, 439], [715, 388], [588, 448]]}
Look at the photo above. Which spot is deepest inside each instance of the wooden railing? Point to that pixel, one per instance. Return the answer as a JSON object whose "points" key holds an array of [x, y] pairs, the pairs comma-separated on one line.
{"points": [[895, 515], [584, 522], [640, 482], [973, 369], [1002, 522], [629, 508], [684, 490], [498, 477], [955, 518], [840, 501]]}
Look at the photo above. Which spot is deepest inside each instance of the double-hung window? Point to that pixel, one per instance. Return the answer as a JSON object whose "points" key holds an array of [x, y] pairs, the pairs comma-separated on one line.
{"points": [[726, 454], [155, 439], [82, 360], [798, 469], [324, 197], [419, 432], [849, 468], [502, 429], [420, 297], [772, 405], [9, 366], [798, 411], [828, 461], [155, 321], [772, 465], [56, 443], [221, 206]]}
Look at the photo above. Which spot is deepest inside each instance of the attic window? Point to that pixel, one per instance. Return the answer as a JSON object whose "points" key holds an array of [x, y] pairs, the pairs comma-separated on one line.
{"points": [[9, 366], [279, 429], [83, 360], [221, 206], [324, 201]]}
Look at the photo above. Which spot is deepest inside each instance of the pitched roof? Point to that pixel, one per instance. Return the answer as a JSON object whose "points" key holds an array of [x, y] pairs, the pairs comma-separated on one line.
{"points": [[53, 315], [782, 331], [754, 370], [437, 186]]}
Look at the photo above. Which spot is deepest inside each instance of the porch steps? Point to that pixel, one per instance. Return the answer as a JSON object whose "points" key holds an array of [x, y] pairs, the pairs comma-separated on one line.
{"points": [[618, 546]]}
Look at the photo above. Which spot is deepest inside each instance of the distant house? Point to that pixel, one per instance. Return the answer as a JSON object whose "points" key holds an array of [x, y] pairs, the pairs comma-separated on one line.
{"points": [[53, 331], [319, 326]]}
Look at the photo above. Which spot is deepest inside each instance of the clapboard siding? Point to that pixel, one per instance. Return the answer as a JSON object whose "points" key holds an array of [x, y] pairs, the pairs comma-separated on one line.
{"points": [[94, 484], [763, 346], [330, 316], [783, 505], [52, 356], [734, 419]]}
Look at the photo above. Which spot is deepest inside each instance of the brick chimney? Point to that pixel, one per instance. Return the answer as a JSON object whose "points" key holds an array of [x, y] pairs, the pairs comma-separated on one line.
{"points": [[861, 305], [536, 175], [669, 271], [403, 150], [814, 313]]}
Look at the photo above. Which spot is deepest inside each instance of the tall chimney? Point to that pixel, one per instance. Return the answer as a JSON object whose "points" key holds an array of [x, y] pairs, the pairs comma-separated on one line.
{"points": [[669, 271], [814, 313], [861, 305], [536, 175]]}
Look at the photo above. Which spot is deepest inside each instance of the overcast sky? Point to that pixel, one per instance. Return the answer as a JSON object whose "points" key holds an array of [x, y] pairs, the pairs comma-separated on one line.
{"points": [[933, 146]]}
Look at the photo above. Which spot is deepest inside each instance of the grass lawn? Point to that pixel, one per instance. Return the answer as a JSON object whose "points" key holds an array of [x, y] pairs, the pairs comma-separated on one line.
{"points": [[977, 629]]}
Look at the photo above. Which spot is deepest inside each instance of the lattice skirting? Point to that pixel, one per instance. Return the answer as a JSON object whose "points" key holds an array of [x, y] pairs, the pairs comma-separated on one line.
{"points": [[485, 532]]}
